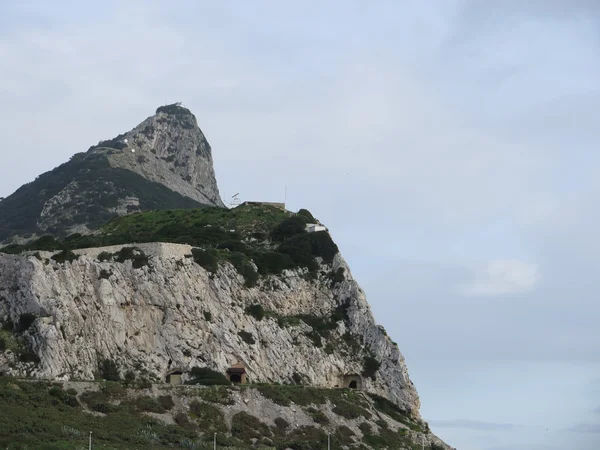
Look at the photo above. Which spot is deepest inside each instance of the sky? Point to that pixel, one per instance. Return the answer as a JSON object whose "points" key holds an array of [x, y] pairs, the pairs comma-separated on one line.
{"points": [[449, 146]]}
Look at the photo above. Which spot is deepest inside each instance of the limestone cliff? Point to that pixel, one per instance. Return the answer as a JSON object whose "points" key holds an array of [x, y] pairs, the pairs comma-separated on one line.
{"points": [[173, 313], [169, 148]]}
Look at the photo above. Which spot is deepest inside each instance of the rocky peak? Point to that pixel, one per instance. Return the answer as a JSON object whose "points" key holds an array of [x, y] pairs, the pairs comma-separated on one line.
{"points": [[169, 148], [163, 163]]}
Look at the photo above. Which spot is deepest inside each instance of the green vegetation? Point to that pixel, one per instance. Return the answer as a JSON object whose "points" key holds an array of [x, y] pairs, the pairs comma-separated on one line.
{"points": [[389, 408], [182, 115], [321, 327], [306, 396], [247, 337], [217, 394], [318, 416], [207, 377], [343, 436], [158, 405], [307, 216], [45, 415], [137, 257], [258, 240], [105, 274], [256, 311], [350, 410], [65, 255], [208, 417], [246, 427], [109, 371], [289, 227], [370, 367], [100, 187]]}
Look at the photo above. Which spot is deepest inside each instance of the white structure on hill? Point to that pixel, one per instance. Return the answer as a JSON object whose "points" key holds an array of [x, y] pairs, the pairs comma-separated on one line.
{"points": [[314, 227]]}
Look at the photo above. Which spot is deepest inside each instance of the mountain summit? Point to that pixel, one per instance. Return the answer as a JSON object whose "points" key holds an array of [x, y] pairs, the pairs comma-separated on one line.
{"points": [[163, 163]]}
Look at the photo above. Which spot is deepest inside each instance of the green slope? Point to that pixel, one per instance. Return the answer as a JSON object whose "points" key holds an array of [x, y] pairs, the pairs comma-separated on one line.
{"points": [[100, 187]]}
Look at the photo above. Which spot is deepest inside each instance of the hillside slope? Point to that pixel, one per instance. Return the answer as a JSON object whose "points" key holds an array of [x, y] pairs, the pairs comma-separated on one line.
{"points": [[163, 163], [142, 416], [246, 286]]}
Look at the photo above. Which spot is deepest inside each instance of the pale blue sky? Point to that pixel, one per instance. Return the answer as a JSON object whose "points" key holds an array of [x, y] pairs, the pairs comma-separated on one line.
{"points": [[450, 146]]}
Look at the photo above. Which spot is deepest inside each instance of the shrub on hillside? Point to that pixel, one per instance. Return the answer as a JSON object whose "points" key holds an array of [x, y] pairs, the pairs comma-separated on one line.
{"points": [[291, 226], [243, 266], [256, 311], [370, 367], [208, 259], [109, 371], [137, 257], [307, 215], [233, 246], [247, 337], [207, 377], [65, 255], [272, 262]]}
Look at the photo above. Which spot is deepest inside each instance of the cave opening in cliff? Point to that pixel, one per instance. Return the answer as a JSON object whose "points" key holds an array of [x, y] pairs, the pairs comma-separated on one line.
{"points": [[352, 381], [237, 374]]}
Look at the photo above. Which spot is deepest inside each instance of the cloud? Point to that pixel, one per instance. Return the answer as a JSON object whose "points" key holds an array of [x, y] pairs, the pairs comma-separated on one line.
{"points": [[473, 425], [502, 277]]}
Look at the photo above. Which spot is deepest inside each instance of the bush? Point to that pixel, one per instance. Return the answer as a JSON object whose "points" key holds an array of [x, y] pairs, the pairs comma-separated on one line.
{"points": [[129, 378], [105, 256], [350, 410], [207, 377], [339, 276], [318, 416], [208, 259], [281, 423], [247, 337], [273, 262], [109, 371], [256, 311], [105, 274], [143, 383], [210, 417], [307, 215], [159, 405], [207, 316], [233, 246], [370, 367], [246, 427], [217, 394], [289, 227], [304, 247], [365, 427], [389, 408], [244, 268], [137, 257], [343, 436], [65, 255], [2, 344]]}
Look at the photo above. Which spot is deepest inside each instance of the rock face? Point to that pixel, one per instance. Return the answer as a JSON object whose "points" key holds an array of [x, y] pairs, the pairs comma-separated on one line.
{"points": [[163, 163], [169, 148], [172, 313]]}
